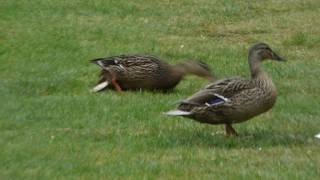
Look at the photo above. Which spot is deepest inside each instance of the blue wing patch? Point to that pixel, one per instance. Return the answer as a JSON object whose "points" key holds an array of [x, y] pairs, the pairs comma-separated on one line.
{"points": [[217, 99]]}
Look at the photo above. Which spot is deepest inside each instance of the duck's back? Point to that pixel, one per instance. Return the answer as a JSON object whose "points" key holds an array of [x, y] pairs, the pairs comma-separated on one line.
{"points": [[142, 71]]}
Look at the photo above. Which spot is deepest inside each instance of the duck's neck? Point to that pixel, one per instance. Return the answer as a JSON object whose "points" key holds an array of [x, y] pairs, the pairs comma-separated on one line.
{"points": [[255, 65], [192, 67], [181, 69], [178, 71], [258, 75]]}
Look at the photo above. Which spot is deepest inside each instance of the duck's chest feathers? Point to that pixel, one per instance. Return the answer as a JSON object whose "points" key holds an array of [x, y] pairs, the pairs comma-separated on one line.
{"points": [[268, 94]]}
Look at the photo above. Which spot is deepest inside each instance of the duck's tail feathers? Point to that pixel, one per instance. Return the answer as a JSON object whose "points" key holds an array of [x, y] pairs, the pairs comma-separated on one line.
{"points": [[100, 86], [177, 113], [317, 136]]}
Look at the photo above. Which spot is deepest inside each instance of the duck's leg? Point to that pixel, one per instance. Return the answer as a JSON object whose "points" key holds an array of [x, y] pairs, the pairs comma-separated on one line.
{"points": [[230, 130], [116, 85]]}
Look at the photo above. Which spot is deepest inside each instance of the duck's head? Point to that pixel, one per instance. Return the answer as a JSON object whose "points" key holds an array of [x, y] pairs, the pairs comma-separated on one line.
{"points": [[262, 51]]}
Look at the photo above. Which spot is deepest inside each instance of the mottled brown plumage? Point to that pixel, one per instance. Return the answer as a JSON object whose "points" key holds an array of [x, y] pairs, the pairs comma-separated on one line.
{"points": [[146, 72], [234, 100]]}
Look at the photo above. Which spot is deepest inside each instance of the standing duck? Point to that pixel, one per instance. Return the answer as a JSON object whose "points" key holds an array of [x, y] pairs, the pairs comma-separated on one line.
{"points": [[234, 100], [145, 72]]}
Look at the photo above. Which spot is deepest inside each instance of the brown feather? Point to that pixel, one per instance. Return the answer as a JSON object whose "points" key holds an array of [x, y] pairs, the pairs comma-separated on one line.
{"points": [[149, 72], [246, 97]]}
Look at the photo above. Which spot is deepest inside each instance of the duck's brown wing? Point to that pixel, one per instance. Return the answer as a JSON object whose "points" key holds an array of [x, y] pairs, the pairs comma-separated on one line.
{"points": [[216, 93], [133, 68], [126, 61], [137, 60], [230, 86], [141, 66]]}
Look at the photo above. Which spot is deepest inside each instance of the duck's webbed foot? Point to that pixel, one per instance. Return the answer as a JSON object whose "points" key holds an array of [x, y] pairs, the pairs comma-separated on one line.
{"points": [[230, 131], [116, 85]]}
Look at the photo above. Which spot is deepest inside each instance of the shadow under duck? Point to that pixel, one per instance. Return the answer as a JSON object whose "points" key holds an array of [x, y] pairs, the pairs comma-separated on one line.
{"points": [[132, 72], [234, 100]]}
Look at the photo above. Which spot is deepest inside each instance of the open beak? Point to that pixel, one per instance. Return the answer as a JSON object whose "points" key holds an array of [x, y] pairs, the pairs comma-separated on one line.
{"points": [[277, 57]]}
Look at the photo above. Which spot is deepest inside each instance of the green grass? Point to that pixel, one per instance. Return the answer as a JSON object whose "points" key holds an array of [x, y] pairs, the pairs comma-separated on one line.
{"points": [[51, 126]]}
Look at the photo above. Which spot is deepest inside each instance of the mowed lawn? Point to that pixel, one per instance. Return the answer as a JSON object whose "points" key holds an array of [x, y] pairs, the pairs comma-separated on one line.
{"points": [[52, 127]]}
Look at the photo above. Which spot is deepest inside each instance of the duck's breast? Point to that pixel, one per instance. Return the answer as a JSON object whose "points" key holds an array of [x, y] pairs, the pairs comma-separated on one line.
{"points": [[253, 102]]}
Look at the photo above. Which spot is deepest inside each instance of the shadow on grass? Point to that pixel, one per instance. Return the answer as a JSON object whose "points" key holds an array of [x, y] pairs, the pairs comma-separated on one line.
{"points": [[256, 139], [152, 91]]}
